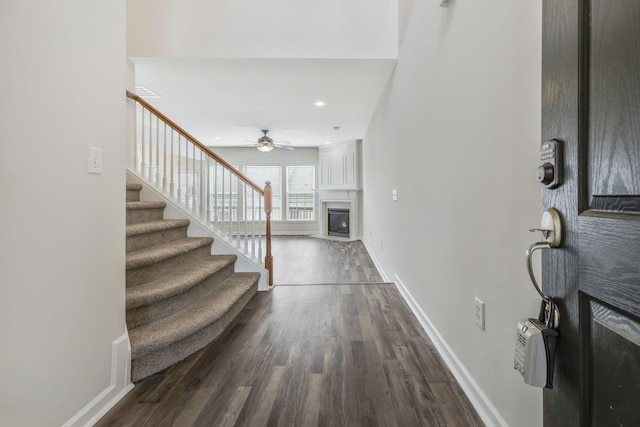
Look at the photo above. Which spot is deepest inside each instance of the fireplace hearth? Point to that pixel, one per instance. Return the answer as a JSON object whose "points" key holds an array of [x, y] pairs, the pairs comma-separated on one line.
{"points": [[338, 222]]}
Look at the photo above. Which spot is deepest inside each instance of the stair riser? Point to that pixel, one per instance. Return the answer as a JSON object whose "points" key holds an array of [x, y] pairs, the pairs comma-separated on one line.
{"points": [[146, 314], [135, 216], [142, 241], [151, 272], [151, 363], [133, 195]]}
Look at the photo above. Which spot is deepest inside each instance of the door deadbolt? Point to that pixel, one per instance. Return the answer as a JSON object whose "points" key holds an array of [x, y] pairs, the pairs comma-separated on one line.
{"points": [[549, 173]]}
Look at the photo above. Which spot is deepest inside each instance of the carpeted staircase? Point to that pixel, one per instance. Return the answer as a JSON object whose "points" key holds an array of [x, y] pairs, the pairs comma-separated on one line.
{"points": [[179, 296]]}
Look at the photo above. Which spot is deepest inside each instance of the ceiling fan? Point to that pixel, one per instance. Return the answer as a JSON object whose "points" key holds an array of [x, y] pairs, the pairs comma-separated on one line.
{"points": [[266, 144]]}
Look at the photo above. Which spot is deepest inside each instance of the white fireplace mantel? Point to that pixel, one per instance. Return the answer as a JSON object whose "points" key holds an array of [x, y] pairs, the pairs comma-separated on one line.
{"points": [[341, 199], [340, 177], [340, 184]]}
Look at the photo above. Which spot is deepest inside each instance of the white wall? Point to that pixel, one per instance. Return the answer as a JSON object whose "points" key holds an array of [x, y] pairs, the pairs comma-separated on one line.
{"points": [[61, 229], [262, 29], [457, 134]]}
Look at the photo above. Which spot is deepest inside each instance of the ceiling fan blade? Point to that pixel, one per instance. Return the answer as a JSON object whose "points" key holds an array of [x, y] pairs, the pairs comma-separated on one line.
{"points": [[286, 147], [254, 145]]}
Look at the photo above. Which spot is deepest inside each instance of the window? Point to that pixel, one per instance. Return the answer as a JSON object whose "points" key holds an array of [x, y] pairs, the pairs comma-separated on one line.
{"points": [[259, 175], [300, 195], [299, 200]]}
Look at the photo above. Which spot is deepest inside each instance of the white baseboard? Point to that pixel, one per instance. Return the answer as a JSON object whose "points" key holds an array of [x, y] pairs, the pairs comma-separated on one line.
{"points": [[487, 412], [376, 263], [293, 233], [120, 385]]}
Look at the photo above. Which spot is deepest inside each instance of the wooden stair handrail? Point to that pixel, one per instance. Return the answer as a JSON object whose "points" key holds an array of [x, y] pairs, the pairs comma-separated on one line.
{"points": [[265, 193], [195, 142]]}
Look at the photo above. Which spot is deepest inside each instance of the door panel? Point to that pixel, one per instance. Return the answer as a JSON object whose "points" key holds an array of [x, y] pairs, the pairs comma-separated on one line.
{"points": [[609, 260], [614, 95], [614, 360], [591, 102]]}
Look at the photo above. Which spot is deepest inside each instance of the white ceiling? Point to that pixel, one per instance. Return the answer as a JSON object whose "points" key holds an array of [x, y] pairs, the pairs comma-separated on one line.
{"points": [[232, 99]]}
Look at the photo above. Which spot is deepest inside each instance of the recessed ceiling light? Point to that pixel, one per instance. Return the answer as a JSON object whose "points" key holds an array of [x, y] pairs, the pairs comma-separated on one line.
{"points": [[336, 128], [320, 104], [327, 142], [217, 138]]}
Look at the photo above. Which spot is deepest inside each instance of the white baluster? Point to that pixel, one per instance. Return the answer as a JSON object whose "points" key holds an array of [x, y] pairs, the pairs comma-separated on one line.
{"points": [[164, 160], [203, 207], [216, 213], [179, 160], [172, 186], [244, 215], [224, 216], [143, 163], [157, 177], [237, 206], [136, 141], [208, 186], [150, 133], [253, 225], [194, 198], [186, 190]]}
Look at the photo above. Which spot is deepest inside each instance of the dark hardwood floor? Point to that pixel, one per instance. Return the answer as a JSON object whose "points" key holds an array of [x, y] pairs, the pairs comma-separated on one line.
{"points": [[304, 260], [308, 355]]}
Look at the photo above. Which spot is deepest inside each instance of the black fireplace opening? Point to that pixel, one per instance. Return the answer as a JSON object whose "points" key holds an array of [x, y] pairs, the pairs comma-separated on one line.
{"points": [[338, 223]]}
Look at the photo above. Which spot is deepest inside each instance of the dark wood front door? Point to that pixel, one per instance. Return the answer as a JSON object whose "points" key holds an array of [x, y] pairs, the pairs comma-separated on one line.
{"points": [[591, 102]]}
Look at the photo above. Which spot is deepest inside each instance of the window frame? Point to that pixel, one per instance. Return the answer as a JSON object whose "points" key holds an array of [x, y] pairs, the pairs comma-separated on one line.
{"points": [[281, 206], [311, 193]]}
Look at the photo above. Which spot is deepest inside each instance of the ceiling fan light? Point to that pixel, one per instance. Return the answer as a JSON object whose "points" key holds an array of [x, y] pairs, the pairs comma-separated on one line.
{"points": [[265, 148]]}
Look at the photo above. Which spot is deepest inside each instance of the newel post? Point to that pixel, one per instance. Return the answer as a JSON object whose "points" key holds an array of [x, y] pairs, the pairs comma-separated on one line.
{"points": [[268, 259]]}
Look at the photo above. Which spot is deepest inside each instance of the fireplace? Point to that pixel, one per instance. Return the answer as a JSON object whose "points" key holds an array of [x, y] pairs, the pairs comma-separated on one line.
{"points": [[344, 203], [338, 222]]}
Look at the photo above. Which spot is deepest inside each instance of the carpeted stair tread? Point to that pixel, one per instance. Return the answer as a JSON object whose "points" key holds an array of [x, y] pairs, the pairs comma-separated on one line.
{"points": [[155, 254], [154, 226], [133, 192], [180, 281], [179, 297], [134, 206], [154, 336]]}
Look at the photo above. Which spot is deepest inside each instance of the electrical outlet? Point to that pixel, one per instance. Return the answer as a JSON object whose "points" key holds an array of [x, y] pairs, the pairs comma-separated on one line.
{"points": [[479, 313]]}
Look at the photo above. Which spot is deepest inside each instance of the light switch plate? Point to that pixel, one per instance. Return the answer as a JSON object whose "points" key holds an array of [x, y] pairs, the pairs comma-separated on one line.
{"points": [[394, 194], [95, 161], [479, 313]]}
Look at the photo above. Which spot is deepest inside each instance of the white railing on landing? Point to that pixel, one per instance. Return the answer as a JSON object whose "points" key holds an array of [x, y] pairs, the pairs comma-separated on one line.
{"points": [[202, 183]]}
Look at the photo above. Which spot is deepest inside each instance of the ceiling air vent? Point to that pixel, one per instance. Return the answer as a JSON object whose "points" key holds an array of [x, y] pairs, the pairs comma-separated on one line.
{"points": [[143, 92]]}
